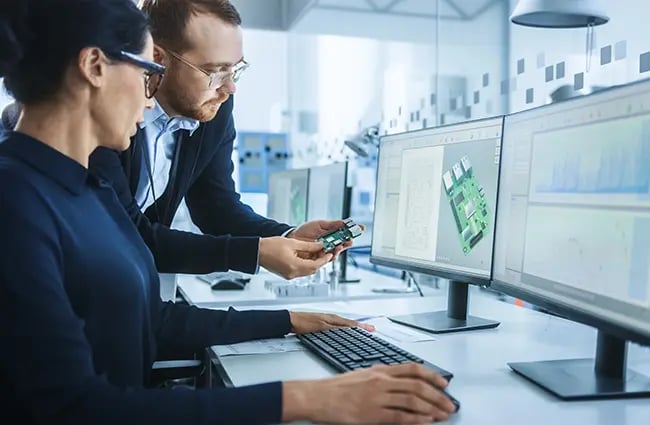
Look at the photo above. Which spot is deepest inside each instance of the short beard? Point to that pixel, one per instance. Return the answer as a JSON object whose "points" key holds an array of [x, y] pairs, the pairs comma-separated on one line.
{"points": [[204, 112]]}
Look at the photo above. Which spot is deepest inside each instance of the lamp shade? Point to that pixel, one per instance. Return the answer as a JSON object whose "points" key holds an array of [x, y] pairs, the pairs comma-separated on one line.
{"points": [[559, 13]]}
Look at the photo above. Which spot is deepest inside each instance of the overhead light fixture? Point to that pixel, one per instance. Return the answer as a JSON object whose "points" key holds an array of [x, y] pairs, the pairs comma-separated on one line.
{"points": [[560, 13], [364, 142]]}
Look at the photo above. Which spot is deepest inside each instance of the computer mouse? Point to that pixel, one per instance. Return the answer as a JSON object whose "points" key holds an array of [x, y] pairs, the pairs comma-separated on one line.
{"points": [[453, 400], [227, 284]]}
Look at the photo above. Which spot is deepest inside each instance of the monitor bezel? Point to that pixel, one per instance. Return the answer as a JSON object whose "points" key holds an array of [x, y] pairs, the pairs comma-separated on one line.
{"points": [[572, 313], [439, 271], [557, 307]]}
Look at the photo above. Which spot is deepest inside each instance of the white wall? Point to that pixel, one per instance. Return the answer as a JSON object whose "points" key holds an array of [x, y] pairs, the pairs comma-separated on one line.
{"points": [[628, 24], [355, 82], [262, 92]]}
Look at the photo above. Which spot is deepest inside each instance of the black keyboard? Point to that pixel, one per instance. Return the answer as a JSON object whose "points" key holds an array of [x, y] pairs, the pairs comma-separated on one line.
{"points": [[354, 348]]}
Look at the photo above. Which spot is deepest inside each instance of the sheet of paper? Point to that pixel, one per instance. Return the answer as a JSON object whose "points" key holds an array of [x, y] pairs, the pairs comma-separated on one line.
{"points": [[261, 346], [387, 329]]}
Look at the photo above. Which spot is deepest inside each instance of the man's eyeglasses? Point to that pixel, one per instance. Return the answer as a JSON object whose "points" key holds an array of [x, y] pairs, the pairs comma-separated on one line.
{"points": [[218, 78], [153, 72]]}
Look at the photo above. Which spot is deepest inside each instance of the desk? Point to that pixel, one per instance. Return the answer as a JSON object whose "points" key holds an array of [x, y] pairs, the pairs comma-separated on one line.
{"points": [[490, 393], [197, 292]]}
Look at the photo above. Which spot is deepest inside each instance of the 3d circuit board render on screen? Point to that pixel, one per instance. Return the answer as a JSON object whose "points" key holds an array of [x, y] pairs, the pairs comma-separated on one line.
{"points": [[468, 204], [349, 231], [298, 206]]}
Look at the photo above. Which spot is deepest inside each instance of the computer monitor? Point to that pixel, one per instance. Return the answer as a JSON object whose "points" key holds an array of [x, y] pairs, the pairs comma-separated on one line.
{"points": [[288, 191], [573, 229], [329, 199], [434, 212], [327, 187]]}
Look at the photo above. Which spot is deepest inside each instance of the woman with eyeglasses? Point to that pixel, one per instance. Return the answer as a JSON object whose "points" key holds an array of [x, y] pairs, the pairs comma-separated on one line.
{"points": [[81, 321]]}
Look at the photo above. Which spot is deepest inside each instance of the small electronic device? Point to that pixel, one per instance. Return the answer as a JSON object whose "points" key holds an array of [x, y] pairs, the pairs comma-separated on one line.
{"points": [[349, 231], [287, 288]]}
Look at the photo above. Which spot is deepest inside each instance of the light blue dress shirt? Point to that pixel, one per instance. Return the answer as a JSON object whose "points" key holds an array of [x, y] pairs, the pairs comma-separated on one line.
{"points": [[160, 145]]}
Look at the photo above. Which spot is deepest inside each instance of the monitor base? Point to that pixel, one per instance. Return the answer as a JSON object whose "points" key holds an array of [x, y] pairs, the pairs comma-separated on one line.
{"points": [[348, 278], [576, 379], [440, 322]]}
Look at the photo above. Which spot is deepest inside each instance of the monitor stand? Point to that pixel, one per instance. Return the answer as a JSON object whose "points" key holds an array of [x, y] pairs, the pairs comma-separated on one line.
{"points": [[455, 319], [606, 376], [344, 276], [408, 289]]}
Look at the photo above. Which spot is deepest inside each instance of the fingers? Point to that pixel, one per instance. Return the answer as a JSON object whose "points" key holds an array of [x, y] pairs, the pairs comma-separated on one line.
{"points": [[310, 247], [308, 266], [366, 326], [330, 225], [394, 416], [338, 321], [339, 249], [415, 370], [412, 403], [427, 396]]}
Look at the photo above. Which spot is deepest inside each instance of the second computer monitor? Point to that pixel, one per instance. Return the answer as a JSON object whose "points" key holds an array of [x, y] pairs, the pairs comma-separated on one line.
{"points": [[327, 192], [288, 190], [435, 207], [573, 230]]}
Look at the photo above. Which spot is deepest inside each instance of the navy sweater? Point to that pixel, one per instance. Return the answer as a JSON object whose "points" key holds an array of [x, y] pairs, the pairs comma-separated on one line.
{"points": [[81, 320]]}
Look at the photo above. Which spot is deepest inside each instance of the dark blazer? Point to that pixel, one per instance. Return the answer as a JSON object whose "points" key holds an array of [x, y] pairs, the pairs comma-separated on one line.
{"points": [[201, 172]]}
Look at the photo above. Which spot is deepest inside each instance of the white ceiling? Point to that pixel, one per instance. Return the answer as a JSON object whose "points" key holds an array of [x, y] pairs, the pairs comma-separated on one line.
{"points": [[449, 9], [403, 20]]}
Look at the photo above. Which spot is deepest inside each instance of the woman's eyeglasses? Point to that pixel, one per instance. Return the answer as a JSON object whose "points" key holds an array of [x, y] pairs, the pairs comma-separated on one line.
{"points": [[153, 72]]}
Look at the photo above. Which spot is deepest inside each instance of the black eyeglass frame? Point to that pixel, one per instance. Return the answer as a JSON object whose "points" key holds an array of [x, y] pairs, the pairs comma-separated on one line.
{"points": [[152, 70]]}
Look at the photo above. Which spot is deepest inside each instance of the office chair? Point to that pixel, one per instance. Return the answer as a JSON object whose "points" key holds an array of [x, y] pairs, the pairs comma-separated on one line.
{"points": [[171, 373], [10, 115], [194, 370]]}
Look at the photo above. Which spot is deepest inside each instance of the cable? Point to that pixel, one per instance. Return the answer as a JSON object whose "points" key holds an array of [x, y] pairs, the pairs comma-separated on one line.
{"points": [[150, 175], [411, 277]]}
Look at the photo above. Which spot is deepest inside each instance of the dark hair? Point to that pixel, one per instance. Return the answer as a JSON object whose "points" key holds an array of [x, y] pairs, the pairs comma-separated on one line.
{"points": [[39, 39], [168, 18]]}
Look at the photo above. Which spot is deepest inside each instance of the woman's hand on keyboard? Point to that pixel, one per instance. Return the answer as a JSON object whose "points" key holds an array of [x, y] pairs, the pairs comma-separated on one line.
{"points": [[302, 323], [402, 394]]}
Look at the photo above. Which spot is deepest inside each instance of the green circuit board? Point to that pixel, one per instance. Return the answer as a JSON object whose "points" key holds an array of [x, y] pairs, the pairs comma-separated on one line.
{"points": [[468, 204], [332, 240]]}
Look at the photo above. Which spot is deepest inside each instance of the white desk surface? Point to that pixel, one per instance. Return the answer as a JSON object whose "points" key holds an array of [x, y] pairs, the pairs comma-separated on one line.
{"points": [[489, 392], [197, 292]]}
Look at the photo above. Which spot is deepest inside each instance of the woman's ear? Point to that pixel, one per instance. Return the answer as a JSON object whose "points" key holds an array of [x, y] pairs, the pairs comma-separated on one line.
{"points": [[92, 65]]}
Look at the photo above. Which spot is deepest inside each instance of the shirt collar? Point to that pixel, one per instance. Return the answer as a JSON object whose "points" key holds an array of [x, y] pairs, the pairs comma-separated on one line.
{"points": [[158, 117], [48, 161]]}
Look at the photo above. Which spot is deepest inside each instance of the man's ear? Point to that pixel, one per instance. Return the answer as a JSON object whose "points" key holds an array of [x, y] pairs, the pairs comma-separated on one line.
{"points": [[92, 65], [160, 55]]}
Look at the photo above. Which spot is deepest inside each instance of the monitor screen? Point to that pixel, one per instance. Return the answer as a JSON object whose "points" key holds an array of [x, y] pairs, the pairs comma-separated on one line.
{"points": [[573, 222], [435, 200], [288, 192], [327, 186]]}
